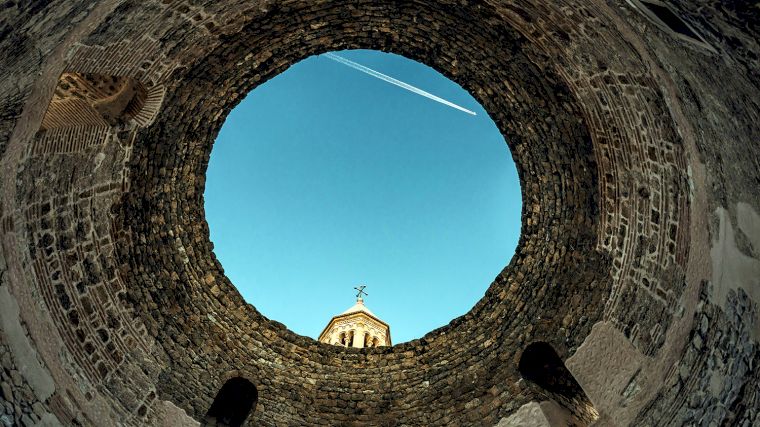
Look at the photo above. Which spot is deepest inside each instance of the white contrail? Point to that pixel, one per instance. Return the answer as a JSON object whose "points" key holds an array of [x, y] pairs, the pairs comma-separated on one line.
{"points": [[391, 80]]}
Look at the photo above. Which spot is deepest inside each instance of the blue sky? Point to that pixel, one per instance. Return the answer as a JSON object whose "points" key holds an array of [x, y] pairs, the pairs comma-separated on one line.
{"points": [[325, 178]]}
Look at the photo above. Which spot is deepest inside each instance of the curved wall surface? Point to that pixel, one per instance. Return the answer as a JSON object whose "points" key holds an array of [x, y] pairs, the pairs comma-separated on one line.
{"points": [[637, 270]]}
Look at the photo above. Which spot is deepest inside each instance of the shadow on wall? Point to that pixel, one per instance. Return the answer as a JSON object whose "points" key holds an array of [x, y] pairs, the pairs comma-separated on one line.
{"points": [[542, 366], [232, 405]]}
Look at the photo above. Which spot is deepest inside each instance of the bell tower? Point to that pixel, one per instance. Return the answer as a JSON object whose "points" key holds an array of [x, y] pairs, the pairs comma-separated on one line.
{"points": [[357, 327]]}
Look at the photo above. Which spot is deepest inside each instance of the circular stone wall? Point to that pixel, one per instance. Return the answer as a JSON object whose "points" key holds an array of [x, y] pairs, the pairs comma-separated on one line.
{"points": [[125, 314], [558, 173], [350, 177]]}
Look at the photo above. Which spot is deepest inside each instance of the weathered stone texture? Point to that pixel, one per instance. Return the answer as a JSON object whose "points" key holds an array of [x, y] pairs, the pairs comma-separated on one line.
{"points": [[717, 380], [626, 141], [18, 403]]}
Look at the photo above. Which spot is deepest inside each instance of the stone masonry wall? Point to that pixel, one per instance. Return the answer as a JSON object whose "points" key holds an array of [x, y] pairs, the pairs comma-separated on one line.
{"points": [[638, 260]]}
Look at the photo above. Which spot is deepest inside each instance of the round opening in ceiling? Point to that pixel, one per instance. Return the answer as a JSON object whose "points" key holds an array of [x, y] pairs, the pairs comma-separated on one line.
{"points": [[362, 167]]}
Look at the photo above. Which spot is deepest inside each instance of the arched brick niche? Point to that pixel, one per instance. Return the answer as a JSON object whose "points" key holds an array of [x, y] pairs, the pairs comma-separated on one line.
{"points": [[93, 100], [108, 252]]}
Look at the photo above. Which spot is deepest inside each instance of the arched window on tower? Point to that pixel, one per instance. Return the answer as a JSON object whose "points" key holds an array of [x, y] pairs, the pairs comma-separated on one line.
{"points": [[541, 365], [232, 405]]}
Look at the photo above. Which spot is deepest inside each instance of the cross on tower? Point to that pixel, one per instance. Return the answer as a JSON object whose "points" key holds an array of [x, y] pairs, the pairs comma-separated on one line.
{"points": [[361, 292]]}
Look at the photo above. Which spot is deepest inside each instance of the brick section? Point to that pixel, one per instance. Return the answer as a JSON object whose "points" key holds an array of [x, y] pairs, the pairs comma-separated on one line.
{"points": [[70, 139], [151, 106], [139, 58]]}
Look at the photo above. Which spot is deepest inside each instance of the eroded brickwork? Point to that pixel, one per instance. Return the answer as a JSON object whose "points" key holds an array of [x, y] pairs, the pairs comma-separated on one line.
{"points": [[607, 118]]}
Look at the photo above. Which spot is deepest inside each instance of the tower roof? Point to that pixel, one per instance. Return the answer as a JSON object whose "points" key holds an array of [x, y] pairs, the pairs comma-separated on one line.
{"points": [[359, 306]]}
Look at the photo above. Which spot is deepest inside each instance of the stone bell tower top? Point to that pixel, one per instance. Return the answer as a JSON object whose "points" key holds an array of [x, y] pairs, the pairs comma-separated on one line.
{"points": [[357, 327]]}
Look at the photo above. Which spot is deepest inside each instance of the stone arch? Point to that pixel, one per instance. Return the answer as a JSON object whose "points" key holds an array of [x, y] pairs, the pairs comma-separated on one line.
{"points": [[545, 218], [234, 402]]}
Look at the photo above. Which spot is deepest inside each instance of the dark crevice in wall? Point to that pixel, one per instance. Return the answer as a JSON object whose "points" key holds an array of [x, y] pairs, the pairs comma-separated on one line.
{"points": [[670, 19], [233, 404], [542, 366]]}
